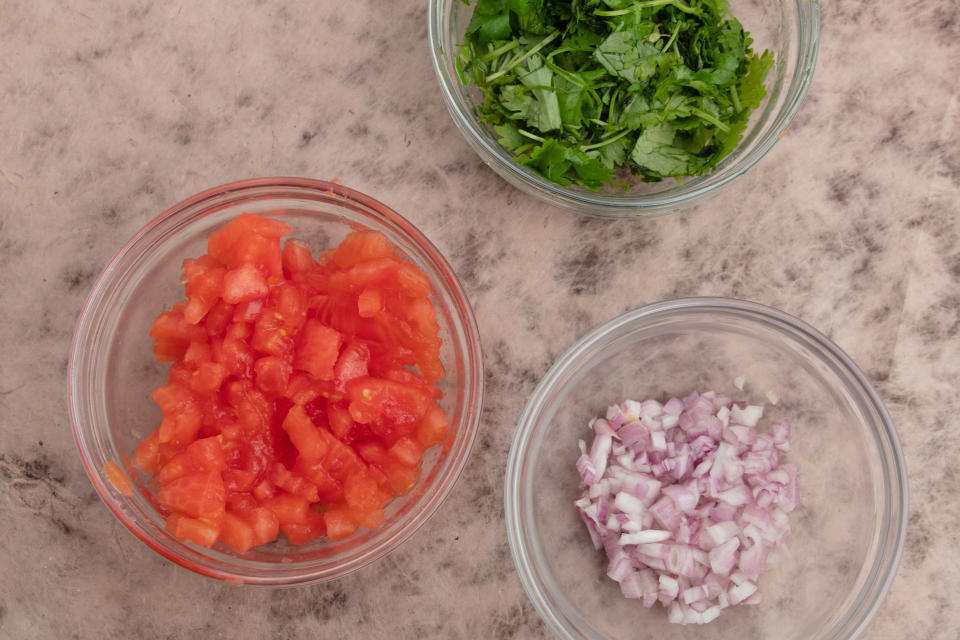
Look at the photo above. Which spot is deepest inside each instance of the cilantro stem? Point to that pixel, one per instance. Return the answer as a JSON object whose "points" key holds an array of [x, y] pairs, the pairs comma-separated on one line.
{"points": [[519, 59], [496, 53], [645, 5], [532, 136], [604, 143], [703, 115], [735, 97], [673, 37]]}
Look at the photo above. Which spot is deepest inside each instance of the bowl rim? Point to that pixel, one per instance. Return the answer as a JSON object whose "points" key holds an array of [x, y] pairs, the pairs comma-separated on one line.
{"points": [[892, 459], [472, 358], [625, 206]]}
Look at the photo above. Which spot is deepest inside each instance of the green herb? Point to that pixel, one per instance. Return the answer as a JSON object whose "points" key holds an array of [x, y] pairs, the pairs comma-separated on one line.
{"points": [[581, 89]]}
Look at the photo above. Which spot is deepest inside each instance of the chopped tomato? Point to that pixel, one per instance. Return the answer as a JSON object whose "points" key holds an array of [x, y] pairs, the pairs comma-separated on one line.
{"points": [[117, 478], [301, 393], [318, 350]]}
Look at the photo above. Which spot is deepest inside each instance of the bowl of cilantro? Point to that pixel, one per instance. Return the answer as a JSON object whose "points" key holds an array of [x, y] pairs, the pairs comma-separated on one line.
{"points": [[623, 108]]}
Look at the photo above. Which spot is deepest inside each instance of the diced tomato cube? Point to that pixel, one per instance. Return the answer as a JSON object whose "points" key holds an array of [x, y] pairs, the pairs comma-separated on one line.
{"points": [[238, 480], [249, 239], [392, 401], [361, 245], [340, 421], [362, 493], [172, 335], [328, 488], [199, 495], [200, 456], [204, 278], [433, 428], [293, 483], [244, 283], [368, 518], [236, 533], [264, 490], [273, 375], [145, 456], [369, 303], [339, 523], [353, 362], [208, 377], [303, 389], [305, 436], [117, 478], [296, 258], [318, 350], [302, 533], [265, 524], [199, 531], [288, 508], [247, 312], [271, 337], [217, 319], [290, 306], [406, 451]]}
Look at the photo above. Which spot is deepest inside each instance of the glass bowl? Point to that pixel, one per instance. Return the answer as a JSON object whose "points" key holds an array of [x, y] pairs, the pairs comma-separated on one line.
{"points": [[788, 28], [846, 536], [112, 369]]}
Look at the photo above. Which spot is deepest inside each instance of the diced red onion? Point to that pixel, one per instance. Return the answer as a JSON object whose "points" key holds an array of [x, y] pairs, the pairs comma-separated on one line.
{"points": [[688, 499]]}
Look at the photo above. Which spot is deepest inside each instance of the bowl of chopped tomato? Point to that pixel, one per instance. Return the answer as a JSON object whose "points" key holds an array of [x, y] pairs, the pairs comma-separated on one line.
{"points": [[275, 382]]}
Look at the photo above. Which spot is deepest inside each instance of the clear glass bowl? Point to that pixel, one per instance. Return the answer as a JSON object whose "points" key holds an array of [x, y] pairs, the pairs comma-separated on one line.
{"points": [[846, 536], [112, 370], [788, 28]]}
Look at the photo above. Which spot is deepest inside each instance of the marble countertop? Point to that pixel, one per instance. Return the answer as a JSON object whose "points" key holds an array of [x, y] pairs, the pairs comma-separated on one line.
{"points": [[112, 111]]}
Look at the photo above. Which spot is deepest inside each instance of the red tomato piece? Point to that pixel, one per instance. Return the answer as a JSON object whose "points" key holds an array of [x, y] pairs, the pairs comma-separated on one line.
{"points": [[146, 455], [117, 478], [296, 258], [339, 523], [265, 525], [361, 245], [406, 451], [270, 336], [362, 493], [200, 456], [236, 533], [288, 509], [199, 495], [293, 483], [273, 375], [244, 284], [302, 533], [199, 531], [204, 281], [433, 428], [353, 362], [328, 488], [305, 436], [249, 239], [395, 402], [318, 350]]}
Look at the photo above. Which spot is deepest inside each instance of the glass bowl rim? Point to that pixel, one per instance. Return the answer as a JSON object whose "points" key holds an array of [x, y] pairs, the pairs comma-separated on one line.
{"points": [[890, 547], [651, 205], [256, 189]]}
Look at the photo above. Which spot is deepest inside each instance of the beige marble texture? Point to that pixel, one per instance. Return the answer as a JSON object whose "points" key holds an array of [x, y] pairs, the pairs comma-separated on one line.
{"points": [[111, 111]]}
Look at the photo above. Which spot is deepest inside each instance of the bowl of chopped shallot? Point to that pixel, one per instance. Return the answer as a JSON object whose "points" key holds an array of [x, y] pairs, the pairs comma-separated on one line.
{"points": [[706, 468]]}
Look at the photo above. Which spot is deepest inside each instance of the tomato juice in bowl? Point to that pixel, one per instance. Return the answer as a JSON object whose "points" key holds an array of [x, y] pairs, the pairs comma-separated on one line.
{"points": [[112, 371]]}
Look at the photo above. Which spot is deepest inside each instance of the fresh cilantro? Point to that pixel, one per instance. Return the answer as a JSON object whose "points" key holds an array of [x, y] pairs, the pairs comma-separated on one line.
{"points": [[580, 90]]}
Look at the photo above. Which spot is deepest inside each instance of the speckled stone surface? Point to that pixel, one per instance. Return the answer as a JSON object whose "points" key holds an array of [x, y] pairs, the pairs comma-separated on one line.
{"points": [[112, 111]]}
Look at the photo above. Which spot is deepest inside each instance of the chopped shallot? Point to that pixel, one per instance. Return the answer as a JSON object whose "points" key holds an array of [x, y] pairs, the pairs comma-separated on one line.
{"points": [[688, 499]]}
